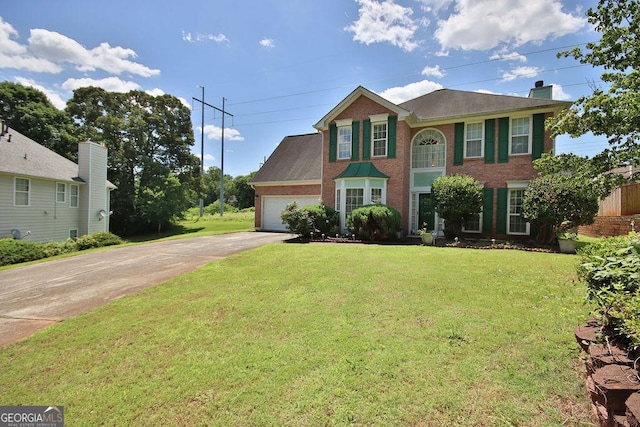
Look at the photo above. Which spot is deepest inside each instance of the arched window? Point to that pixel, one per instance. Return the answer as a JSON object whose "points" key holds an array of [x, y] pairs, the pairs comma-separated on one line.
{"points": [[428, 150]]}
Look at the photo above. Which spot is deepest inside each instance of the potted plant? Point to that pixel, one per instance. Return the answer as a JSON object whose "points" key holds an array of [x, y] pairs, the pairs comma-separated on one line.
{"points": [[567, 236], [427, 236]]}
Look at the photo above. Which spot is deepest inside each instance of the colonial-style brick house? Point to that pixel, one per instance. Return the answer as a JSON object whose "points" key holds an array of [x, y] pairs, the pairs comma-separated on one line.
{"points": [[370, 150]]}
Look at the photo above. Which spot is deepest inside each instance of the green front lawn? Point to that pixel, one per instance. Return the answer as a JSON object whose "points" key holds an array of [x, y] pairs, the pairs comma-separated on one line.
{"points": [[323, 334]]}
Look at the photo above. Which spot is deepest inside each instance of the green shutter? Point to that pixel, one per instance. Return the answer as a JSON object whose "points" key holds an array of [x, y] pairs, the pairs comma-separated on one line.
{"points": [[503, 140], [355, 140], [393, 124], [333, 142], [366, 139], [501, 216], [458, 144], [538, 136], [490, 141], [487, 210]]}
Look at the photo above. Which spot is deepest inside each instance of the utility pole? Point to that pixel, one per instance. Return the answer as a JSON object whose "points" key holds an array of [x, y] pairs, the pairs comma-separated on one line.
{"points": [[202, 154], [201, 101]]}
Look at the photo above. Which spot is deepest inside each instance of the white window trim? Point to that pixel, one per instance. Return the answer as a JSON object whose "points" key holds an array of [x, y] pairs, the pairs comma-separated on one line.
{"points": [[77, 233], [444, 143], [77, 204], [347, 183], [344, 123], [516, 185], [15, 179], [529, 136], [64, 192], [377, 119], [481, 155]]}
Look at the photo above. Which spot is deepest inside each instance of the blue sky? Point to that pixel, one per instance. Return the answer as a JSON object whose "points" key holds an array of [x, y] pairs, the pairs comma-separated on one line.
{"points": [[282, 65]]}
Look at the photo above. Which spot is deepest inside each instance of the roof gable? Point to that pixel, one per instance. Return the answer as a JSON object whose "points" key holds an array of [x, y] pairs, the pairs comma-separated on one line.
{"points": [[297, 159], [20, 155], [323, 124]]}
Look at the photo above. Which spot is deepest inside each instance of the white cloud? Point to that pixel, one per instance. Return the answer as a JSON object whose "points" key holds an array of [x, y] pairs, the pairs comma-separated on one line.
{"points": [[265, 42], [508, 56], [519, 72], [485, 24], [59, 48], [54, 97], [155, 92], [16, 56], [433, 71], [210, 157], [385, 21], [110, 84], [199, 37], [558, 93], [487, 92], [401, 94], [215, 133]]}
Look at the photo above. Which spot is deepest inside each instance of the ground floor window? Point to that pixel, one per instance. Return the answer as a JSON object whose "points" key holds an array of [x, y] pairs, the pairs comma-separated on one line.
{"points": [[516, 224], [21, 192], [73, 233], [473, 224], [354, 199], [376, 195]]}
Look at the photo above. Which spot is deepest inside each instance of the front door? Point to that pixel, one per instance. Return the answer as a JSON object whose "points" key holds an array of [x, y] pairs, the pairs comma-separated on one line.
{"points": [[426, 211]]}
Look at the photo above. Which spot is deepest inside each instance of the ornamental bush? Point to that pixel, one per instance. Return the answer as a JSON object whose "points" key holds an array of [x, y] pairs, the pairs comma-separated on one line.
{"points": [[317, 218], [16, 251], [457, 199], [610, 269], [97, 240], [374, 221], [555, 202]]}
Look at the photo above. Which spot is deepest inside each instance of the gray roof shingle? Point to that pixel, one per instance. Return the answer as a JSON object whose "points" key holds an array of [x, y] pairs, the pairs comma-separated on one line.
{"points": [[20, 155], [448, 103], [297, 158]]}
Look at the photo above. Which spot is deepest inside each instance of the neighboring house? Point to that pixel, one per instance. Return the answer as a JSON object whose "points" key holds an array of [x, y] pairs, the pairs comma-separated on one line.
{"points": [[45, 197], [370, 150]]}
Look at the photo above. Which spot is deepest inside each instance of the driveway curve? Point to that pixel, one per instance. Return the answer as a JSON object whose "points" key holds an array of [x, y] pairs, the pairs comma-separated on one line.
{"points": [[36, 296]]}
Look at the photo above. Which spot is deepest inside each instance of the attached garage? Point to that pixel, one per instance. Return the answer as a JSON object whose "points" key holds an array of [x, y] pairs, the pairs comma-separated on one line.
{"points": [[272, 206], [291, 173]]}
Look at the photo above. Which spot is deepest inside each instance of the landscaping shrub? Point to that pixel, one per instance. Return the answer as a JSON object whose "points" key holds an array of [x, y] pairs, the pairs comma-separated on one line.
{"points": [[318, 218], [374, 221], [610, 268], [457, 199], [214, 208], [97, 240], [16, 251]]}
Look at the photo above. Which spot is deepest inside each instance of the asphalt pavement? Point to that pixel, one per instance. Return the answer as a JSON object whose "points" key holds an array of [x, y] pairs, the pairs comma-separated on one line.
{"points": [[37, 296]]}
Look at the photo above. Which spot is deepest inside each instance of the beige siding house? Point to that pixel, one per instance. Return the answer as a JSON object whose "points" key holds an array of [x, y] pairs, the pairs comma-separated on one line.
{"points": [[45, 197]]}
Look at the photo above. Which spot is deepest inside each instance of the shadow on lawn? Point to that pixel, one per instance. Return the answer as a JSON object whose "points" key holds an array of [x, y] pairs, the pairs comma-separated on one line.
{"points": [[174, 230]]}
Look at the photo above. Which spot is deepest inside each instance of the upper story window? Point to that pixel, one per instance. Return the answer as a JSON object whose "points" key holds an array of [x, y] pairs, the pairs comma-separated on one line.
{"points": [[61, 192], [520, 141], [473, 140], [428, 150], [379, 131], [74, 194], [344, 139], [21, 192]]}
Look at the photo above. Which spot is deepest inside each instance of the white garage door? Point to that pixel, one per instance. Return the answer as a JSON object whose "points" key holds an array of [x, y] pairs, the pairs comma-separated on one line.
{"points": [[273, 206]]}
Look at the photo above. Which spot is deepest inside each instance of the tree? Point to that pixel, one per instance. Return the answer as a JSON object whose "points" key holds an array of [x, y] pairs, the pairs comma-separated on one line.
{"points": [[242, 192], [457, 199], [28, 111], [159, 206], [211, 186], [149, 139], [612, 112], [564, 195]]}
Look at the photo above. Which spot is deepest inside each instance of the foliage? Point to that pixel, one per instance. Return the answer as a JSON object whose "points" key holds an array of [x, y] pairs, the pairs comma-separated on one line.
{"points": [[28, 111], [214, 208], [457, 199], [166, 204], [97, 240], [374, 221], [611, 270], [613, 111], [317, 218], [559, 203], [242, 194], [17, 251], [149, 139]]}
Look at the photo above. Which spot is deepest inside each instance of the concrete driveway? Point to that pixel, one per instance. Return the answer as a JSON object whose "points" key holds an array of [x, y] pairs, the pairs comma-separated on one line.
{"points": [[37, 296]]}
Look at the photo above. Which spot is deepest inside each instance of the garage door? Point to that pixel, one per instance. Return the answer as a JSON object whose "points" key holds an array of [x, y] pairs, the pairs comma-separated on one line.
{"points": [[273, 206]]}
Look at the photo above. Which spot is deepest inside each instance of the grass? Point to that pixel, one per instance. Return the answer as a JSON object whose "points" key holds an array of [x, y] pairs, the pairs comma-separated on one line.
{"points": [[323, 334]]}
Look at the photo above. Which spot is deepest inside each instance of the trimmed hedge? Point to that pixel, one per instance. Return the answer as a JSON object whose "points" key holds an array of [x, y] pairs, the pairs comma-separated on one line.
{"points": [[18, 251], [317, 218], [374, 222]]}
